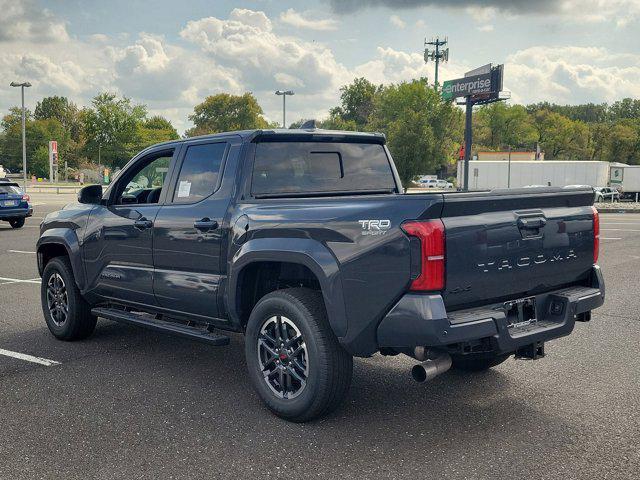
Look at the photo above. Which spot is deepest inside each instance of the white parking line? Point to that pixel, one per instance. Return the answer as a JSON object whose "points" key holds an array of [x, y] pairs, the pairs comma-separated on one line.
{"points": [[20, 251], [19, 280], [626, 224], [618, 230], [29, 358], [610, 238]]}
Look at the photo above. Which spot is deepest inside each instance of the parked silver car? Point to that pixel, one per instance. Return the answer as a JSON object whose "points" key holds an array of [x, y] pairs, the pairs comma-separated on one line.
{"points": [[606, 194]]}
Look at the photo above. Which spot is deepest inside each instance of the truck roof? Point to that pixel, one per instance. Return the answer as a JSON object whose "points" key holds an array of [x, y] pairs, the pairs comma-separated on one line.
{"points": [[291, 134]]}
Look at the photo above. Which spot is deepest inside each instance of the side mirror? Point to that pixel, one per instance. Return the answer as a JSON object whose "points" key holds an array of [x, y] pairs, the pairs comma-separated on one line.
{"points": [[91, 194]]}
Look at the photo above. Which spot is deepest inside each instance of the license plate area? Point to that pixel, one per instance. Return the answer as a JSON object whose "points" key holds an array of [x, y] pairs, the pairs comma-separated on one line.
{"points": [[520, 312], [10, 203]]}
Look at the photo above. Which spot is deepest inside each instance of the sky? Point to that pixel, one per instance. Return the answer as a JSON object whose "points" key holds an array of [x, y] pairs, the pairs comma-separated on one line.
{"points": [[171, 55]]}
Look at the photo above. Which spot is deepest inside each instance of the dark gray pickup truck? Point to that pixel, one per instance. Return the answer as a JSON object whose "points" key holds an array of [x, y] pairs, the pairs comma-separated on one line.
{"points": [[304, 241]]}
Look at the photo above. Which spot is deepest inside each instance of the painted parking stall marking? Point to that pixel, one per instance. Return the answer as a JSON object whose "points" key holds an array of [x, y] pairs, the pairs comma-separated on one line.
{"points": [[28, 358], [7, 280]]}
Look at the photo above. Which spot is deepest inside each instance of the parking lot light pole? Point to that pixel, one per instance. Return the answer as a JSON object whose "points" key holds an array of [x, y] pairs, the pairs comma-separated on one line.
{"points": [[284, 94], [22, 86]]}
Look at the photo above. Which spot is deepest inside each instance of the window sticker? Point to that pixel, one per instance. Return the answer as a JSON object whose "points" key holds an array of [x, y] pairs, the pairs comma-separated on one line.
{"points": [[184, 189]]}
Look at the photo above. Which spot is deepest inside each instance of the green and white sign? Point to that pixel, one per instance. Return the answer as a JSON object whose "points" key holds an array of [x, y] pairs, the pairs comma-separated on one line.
{"points": [[616, 175], [463, 87]]}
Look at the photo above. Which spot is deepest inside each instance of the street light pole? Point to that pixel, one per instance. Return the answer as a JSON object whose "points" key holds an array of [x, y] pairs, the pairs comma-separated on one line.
{"points": [[284, 94], [22, 86], [509, 174]]}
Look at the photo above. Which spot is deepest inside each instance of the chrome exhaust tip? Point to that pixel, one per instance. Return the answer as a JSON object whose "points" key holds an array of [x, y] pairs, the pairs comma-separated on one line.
{"points": [[431, 368]]}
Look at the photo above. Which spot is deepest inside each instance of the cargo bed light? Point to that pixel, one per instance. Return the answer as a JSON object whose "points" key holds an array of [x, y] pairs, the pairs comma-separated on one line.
{"points": [[432, 254]]}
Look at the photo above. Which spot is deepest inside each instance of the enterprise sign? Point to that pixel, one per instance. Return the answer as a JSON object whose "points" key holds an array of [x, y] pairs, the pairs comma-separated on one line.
{"points": [[463, 87]]}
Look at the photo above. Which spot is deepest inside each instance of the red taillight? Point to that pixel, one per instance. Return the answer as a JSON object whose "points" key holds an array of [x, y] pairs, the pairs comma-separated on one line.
{"points": [[596, 234], [431, 236], [26, 197]]}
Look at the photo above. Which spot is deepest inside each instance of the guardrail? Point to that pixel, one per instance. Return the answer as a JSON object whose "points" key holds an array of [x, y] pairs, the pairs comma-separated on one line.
{"points": [[57, 189]]}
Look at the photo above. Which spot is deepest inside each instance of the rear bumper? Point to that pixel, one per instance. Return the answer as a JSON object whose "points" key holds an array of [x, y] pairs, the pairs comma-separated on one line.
{"points": [[421, 320], [8, 213]]}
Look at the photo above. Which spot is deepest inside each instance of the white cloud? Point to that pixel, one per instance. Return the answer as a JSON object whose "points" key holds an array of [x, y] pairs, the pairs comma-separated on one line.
{"points": [[22, 20], [396, 21], [299, 20], [246, 52], [486, 28], [259, 54], [571, 75]]}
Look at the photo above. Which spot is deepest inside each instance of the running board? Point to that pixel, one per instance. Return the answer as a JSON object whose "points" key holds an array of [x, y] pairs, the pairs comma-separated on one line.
{"points": [[170, 328]]}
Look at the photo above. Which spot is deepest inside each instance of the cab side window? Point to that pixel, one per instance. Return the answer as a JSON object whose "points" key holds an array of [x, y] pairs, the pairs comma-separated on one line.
{"points": [[200, 172], [143, 183]]}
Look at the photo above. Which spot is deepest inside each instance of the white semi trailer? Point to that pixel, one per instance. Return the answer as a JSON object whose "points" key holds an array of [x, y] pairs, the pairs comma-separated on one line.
{"points": [[626, 178], [487, 175]]}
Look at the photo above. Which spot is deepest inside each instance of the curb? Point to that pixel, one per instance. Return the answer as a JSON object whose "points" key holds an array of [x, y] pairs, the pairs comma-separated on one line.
{"points": [[618, 210]]}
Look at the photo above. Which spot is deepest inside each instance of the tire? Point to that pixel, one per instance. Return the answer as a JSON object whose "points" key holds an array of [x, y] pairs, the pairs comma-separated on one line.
{"points": [[325, 364], [17, 222], [78, 323], [477, 363]]}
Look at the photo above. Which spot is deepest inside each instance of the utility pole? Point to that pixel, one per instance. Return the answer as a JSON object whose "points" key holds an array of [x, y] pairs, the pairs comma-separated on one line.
{"points": [[284, 94], [435, 54], [23, 85]]}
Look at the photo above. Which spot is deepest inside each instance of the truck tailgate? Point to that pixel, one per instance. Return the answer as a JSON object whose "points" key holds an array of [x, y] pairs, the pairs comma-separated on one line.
{"points": [[508, 244]]}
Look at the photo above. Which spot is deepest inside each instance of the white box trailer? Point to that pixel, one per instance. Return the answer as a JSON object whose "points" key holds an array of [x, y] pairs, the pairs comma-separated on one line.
{"points": [[487, 175], [626, 178]]}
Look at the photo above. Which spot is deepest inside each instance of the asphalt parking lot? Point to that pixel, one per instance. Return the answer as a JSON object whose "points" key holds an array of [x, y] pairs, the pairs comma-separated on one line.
{"points": [[128, 403]]}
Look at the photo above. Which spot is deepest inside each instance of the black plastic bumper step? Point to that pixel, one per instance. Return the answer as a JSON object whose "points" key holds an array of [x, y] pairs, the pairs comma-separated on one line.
{"points": [[176, 329]]}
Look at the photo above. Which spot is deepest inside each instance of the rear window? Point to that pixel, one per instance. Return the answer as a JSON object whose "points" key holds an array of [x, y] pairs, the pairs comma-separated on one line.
{"points": [[9, 189], [315, 167]]}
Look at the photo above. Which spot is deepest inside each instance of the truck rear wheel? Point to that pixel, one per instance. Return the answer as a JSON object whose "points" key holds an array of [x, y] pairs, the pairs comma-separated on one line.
{"points": [[67, 314], [477, 363], [295, 361]]}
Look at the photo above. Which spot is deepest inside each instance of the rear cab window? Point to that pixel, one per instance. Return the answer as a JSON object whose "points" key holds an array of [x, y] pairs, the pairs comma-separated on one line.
{"points": [[308, 168]]}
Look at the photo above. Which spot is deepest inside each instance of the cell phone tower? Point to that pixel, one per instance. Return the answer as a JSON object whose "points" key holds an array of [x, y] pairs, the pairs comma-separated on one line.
{"points": [[436, 54]]}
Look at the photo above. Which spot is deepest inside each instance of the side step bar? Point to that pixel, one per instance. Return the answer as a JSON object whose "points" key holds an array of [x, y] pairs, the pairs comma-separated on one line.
{"points": [[176, 329]]}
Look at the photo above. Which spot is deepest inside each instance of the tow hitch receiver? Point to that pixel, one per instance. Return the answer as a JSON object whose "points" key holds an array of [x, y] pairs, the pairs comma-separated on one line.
{"points": [[533, 351]]}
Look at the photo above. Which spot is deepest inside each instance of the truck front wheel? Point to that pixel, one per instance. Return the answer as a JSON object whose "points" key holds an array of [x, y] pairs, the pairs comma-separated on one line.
{"points": [[67, 314], [295, 361]]}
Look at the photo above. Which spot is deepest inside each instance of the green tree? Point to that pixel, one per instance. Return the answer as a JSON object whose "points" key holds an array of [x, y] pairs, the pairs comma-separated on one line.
{"points": [[71, 118], [155, 130], [625, 109], [499, 125], [39, 164], [624, 142], [422, 130], [356, 104], [38, 134], [112, 129], [225, 112], [561, 137]]}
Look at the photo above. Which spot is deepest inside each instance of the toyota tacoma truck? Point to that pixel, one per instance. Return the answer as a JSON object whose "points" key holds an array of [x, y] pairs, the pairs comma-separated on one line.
{"points": [[303, 241]]}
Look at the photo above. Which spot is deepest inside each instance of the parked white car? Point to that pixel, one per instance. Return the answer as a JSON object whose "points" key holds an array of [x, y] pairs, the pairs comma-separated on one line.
{"points": [[435, 183], [606, 194]]}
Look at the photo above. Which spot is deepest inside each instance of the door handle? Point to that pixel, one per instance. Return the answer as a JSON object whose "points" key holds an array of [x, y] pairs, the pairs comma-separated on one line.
{"points": [[205, 224], [143, 224]]}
